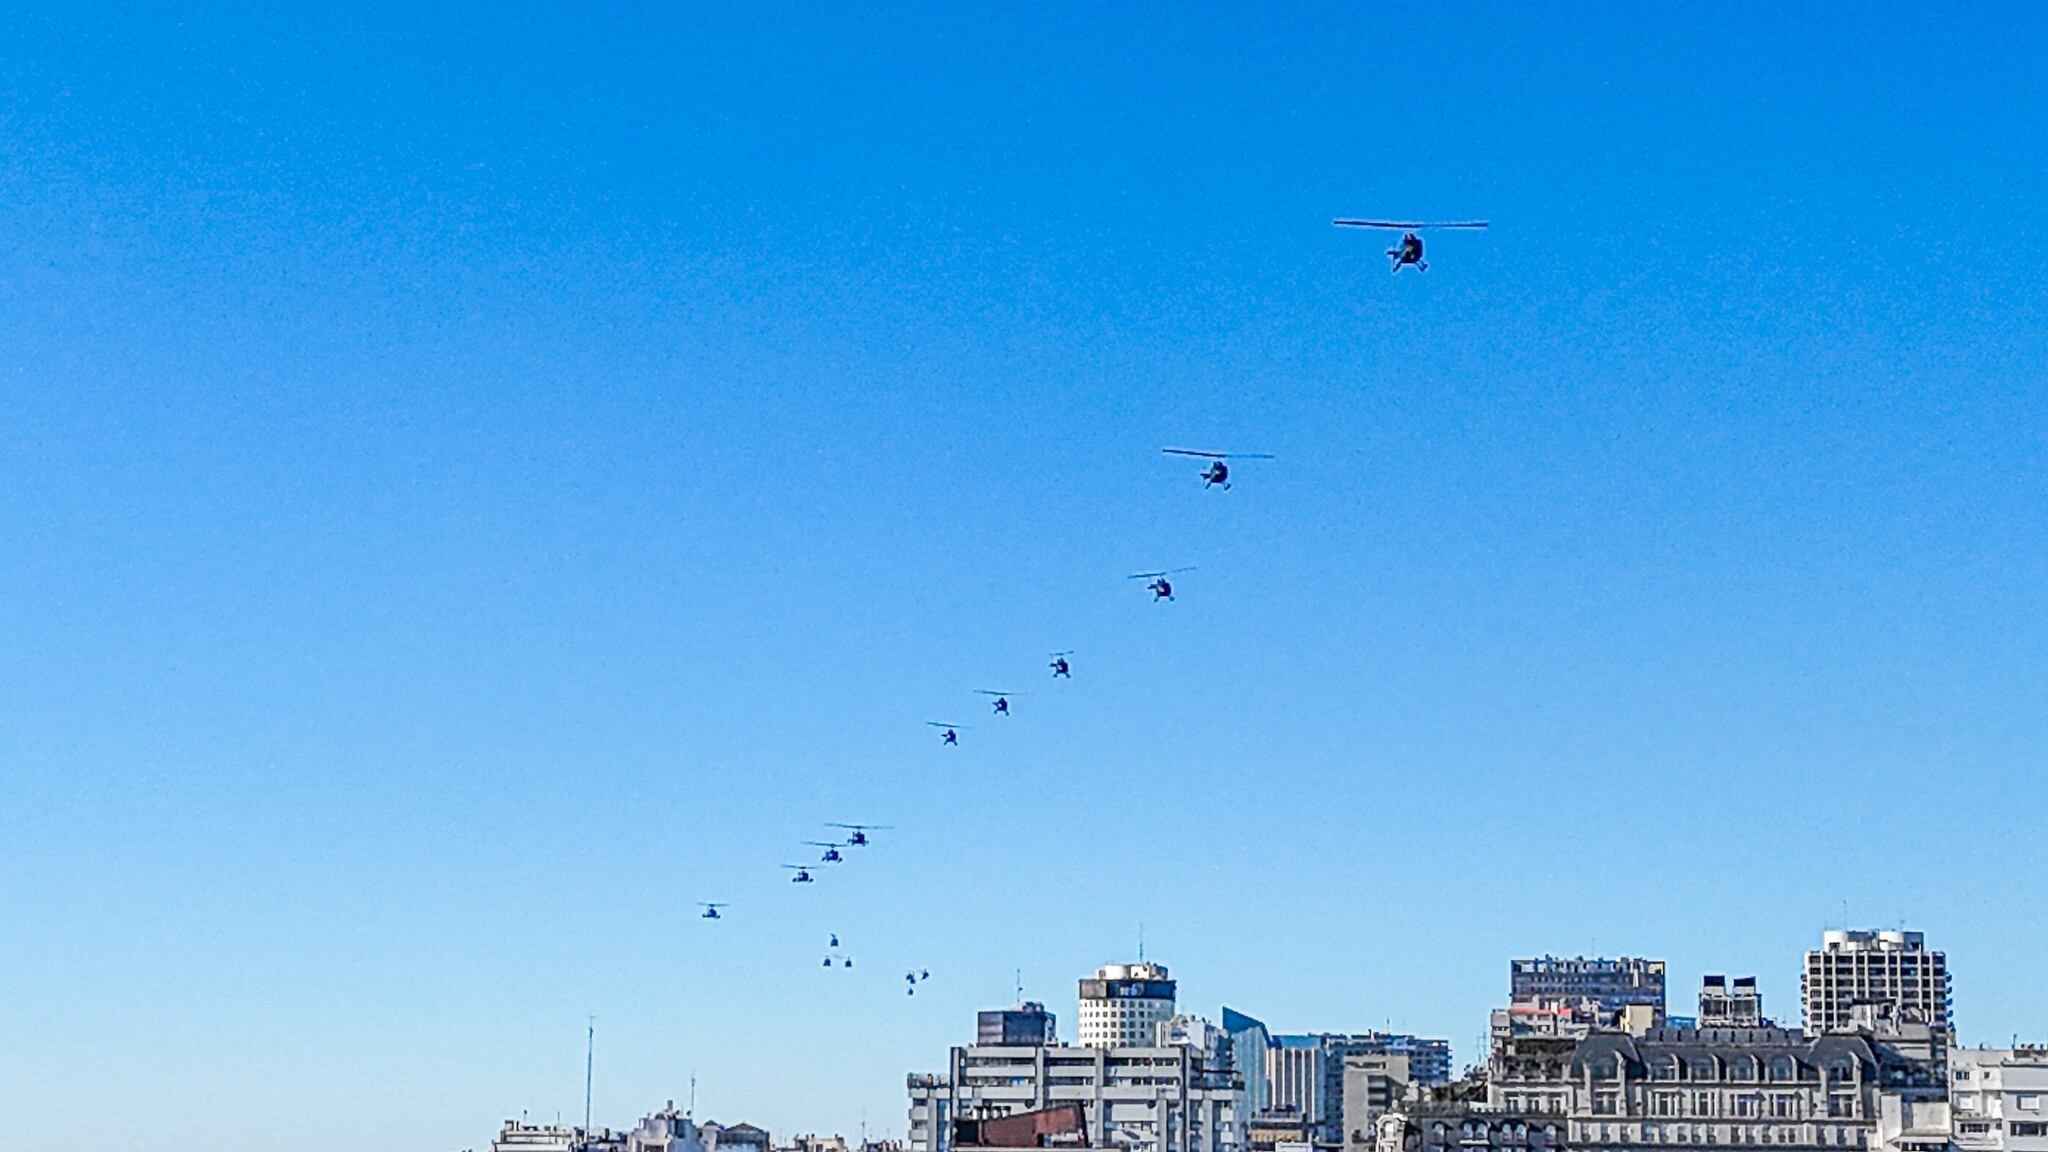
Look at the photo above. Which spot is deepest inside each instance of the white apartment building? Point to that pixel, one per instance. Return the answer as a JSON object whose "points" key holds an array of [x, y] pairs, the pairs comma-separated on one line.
{"points": [[1139, 1099], [1998, 1099], [1124, 1005]]}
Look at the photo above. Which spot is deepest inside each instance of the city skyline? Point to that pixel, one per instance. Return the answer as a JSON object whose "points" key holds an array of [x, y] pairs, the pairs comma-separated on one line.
{"points": [[475, 487], [1463, 1060]]}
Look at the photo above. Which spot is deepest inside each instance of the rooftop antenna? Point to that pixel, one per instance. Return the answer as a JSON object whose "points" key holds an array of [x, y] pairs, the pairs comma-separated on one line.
{"points": [[692, 1111], [1141, 941], [589, 1063]]}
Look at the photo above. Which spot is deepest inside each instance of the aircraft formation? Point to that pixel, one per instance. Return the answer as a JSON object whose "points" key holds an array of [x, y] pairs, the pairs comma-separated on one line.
{"points": [[1216, 475]]}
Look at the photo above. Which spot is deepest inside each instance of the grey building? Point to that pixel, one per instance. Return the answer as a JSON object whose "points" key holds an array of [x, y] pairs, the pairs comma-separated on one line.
{"points": [[665, 1131], [1891, 972], [1298, 1081], [1604, 989], [1307, 1073], [1724, 1088], [1143, 1099], [1999, 1099], [1027, 1025], [1373, 1087]]}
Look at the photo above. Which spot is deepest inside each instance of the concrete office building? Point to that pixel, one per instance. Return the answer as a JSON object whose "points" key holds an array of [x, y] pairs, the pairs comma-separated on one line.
{"points": [[1373, 1086], [1141, 1099], [1998, 1098], [1892, 971], [1605, 990], [1298, 1080], [1429, 1059], [1123, 1005], [1027, 1025]]}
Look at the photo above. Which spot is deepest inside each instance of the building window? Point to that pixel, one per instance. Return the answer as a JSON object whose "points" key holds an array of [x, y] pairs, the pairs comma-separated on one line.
{"points": [[2027, 1101], [2029, 1128]]}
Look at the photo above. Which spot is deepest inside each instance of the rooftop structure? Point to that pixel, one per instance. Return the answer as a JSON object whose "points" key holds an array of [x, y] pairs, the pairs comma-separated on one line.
{"points": [[1027, 1024], [1730, 1003]]}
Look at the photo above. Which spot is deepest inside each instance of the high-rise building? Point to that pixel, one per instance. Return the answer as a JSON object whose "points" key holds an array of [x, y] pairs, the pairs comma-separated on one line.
{"points": [[1027, 1025], [1123, 1005], [1297, 1080], [1603, 989], [1887, 976], [1249, 1042], [1730, 1003]]}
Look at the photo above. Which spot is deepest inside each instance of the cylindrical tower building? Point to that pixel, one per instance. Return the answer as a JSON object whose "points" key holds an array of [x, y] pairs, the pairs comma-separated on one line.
{"points": [[1123, 1006]]}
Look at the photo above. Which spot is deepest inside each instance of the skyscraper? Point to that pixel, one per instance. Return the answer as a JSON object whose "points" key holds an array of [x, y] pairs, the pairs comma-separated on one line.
{"points": [[1249, 1041], [1889, 975]]}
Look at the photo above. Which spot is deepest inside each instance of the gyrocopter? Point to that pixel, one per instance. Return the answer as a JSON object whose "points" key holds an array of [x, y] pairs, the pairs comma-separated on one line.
{"points": [[1409, 250], [1218, 472], [1160, 587]]}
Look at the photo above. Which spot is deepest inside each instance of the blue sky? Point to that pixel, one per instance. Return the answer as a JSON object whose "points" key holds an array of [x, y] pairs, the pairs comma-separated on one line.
{"points": [[472, 484]]}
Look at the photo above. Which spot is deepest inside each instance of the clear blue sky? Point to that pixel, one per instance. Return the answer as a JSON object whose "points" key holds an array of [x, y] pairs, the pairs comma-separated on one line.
{"points": [[472, 485]]}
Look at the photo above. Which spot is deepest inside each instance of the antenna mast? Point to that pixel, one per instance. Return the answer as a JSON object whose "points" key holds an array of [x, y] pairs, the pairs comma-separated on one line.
{"points": [[589, 1062]]}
